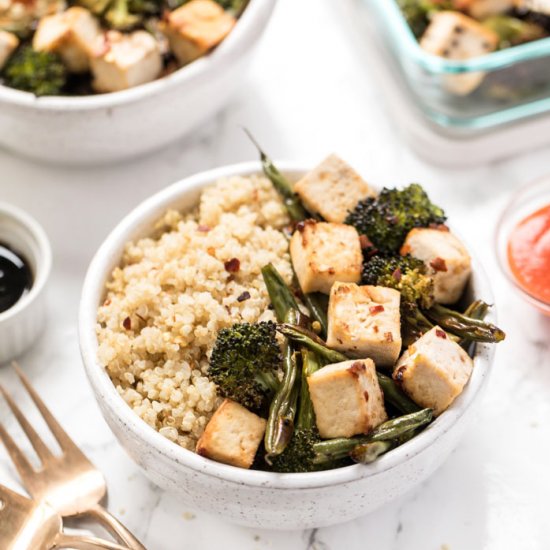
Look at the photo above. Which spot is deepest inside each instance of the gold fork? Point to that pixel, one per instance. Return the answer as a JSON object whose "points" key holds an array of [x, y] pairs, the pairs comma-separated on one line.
{"points": [[69, 483], [29, 525]]}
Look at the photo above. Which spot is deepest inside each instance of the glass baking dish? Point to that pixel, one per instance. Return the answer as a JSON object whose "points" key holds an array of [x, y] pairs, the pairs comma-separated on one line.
{"points": [[515, 83]]}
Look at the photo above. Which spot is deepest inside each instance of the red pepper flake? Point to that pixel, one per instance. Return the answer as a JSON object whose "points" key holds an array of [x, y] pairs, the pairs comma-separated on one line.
{"points": [[107, 302], [398, 376], [366, 394], [438, 264], [233, 265], [127, 323], [374, 310], [397, 274], [300, 226], [365, 242], [388, 336], [440, 333], [357, 368], [244, 296], [375, 329], [203, 228]]}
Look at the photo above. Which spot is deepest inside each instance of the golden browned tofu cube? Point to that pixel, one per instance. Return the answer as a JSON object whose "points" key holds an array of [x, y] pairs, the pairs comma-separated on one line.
{"points": [[434, 370], [364, 321], [196, 27], [332, 189], [232, 436], [73, 34], [128, 60], [453, 35], [347, 398], [8, 44], [323, 253], [446, 256]]}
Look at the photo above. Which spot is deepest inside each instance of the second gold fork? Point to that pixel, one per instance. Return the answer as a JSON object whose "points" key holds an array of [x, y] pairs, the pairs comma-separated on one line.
{"points": [[69, 483]]}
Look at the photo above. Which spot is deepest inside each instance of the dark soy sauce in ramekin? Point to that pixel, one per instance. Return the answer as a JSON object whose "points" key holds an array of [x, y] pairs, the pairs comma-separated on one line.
{"points": [[15, 277]]}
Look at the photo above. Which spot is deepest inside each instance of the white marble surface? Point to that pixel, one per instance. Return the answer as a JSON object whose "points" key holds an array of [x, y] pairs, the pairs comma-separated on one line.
{"points": [[308, 93]]}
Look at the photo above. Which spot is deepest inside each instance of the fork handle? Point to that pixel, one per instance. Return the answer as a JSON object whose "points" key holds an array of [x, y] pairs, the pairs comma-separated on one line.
{"points": [[115, 528], [78, 542]]}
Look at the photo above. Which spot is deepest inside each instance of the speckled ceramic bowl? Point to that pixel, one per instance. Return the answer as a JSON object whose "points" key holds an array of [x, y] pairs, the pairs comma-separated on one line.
{"points": [[262, 499], [110, 127]]}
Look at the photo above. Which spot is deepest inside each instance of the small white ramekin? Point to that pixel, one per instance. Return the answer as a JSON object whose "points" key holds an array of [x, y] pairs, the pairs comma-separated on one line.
{"points": [[21, 325]]}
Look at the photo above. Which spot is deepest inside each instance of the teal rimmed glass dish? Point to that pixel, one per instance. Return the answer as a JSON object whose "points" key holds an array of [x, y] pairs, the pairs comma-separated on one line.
{"points": [[515, 84]]}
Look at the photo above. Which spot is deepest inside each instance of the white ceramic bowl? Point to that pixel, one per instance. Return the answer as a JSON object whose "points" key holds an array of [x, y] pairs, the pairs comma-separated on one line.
{"points": [[21, 324], [261, 499], [110, 127]]}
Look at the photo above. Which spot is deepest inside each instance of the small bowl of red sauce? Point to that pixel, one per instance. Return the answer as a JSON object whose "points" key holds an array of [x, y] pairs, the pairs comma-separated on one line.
{"points": [[523, 243]]}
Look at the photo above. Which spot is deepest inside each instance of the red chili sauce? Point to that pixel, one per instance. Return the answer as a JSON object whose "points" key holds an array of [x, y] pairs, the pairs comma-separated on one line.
{"points": [[529, 254]]}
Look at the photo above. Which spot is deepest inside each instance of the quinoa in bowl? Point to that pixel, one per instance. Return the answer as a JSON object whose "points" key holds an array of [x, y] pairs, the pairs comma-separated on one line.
{"points": [[172, 292]]}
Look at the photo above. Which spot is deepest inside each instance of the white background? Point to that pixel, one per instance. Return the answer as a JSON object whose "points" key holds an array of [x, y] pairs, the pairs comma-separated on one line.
{"points": [[309, 93]]}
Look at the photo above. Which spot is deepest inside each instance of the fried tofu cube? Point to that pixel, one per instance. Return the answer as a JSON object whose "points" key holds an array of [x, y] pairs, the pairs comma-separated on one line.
{"points": [[73, 34], [456, 36], [323, 253], [365, 321], [347, 398], [8, 44], [127, 60], [434, 370], [480, 9], [196, 27], [232, 436], [332, 189], [447, 257]]}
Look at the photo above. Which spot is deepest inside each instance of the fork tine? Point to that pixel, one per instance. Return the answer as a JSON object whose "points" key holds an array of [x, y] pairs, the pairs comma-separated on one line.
{"points": [[17, 456], [65, 442], [39, 446]]}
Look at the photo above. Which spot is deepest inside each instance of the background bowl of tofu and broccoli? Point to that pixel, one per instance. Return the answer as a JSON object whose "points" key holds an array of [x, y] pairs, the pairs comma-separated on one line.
{"points": [[247, 496], [98, 95]]}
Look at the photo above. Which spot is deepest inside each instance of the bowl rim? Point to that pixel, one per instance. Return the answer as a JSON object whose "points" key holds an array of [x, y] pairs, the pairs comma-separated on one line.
{"points": [[43, 262], [248, 29], [501, 237], [106, 394]]}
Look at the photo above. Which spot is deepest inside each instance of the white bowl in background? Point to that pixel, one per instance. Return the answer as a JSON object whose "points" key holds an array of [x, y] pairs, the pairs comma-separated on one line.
{"points": [[21, 324], [109, 127], [255, 498]]}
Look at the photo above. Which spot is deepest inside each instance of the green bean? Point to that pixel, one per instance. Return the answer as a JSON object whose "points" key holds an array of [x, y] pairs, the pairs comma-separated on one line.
{"points": [[293, 204], [281, 296]]}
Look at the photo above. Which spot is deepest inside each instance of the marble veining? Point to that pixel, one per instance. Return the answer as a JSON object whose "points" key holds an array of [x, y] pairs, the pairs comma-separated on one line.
{"points": [[308, 93]]}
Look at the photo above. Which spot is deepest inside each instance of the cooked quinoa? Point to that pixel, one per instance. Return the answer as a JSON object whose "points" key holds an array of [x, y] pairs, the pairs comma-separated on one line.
{"points": [[174, 291]]}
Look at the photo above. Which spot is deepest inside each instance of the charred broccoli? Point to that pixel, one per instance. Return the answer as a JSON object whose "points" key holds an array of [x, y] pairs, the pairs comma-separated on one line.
{"points": [[417, 12], [244, 363], [387, 219], [123, 15], [404, 273], [299, 454], [41, 73]]}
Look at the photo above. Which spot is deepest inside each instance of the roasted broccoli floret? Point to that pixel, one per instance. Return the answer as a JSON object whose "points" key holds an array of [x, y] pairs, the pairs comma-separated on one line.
{"points": [[404, 273], [41, 73], [513, 31], [123, 15], [244, 363], [387, 219], [299, 454], [418, 12]]}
